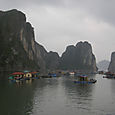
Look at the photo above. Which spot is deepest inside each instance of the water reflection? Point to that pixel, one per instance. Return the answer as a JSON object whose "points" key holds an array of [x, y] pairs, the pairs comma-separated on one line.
{"points": [[4, 75], [62, 96], [79, 96], [46, 96], [113, 85], [57, 96], [113, 93], [16, 98]]}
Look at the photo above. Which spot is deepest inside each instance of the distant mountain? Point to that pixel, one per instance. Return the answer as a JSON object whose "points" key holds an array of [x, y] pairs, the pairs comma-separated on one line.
{"points": [[112, 63], [103, 65], [79, 57]]}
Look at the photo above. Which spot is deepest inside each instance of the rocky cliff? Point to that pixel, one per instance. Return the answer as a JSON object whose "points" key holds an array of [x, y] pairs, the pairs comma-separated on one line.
{"points": [[18, 49], [111, 67], [79, 57], [52, 60]]}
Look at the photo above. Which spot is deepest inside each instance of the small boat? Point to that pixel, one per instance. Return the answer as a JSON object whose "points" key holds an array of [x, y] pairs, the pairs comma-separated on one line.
{"points": [[52, 75], [71, 73], [109, 76], [82, 79], [10, 77]]}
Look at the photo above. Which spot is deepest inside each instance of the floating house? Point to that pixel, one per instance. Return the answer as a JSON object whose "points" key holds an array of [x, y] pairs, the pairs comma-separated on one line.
{"points": [[18, 75], [35, 74], [26, 75]]}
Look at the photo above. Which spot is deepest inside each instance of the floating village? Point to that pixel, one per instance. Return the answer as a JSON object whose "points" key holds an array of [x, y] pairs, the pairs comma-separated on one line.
{"points": [[26, 75], [80, 78]]}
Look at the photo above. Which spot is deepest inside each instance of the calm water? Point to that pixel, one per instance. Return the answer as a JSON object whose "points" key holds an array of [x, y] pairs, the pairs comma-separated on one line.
{"points": [[58, 96]]}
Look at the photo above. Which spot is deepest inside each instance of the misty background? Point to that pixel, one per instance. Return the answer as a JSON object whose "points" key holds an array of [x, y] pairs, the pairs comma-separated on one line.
{"points": [[59, 23]]}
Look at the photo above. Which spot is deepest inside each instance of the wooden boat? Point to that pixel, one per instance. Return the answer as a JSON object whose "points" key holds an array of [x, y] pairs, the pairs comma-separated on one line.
{"points": [[82, 79]]}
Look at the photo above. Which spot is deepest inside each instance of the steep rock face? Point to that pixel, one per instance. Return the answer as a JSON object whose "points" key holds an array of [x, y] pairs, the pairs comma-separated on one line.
{"points": [[41, 53], [17, 42], [19, 50], [111, 67], [52, 60], [79, 57], [18, 47]]}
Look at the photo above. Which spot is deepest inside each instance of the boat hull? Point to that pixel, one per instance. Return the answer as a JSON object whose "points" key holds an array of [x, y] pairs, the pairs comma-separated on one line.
{"points": [[85, 82]]}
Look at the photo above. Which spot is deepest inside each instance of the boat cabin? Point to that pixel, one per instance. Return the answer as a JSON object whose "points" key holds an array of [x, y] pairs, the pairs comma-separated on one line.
{"points": [[82, 78], [18, 75]]}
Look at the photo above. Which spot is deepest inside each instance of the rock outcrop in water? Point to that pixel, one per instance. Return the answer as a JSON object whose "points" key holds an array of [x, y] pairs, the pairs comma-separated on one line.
{"points": [[112, 63], [79, 57], [18, 48]]}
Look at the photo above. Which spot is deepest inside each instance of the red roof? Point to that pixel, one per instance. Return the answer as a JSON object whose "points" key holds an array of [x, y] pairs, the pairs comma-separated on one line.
{"points": [[34, 72], [17, 73]]}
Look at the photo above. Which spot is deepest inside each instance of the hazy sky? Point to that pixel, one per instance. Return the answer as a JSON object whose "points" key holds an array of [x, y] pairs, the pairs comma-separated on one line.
{"points": [[59, 23]]}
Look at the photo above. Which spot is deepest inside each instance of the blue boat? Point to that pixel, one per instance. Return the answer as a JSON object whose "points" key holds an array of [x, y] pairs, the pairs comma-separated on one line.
{"points": [[83, 79], [52, 75]]}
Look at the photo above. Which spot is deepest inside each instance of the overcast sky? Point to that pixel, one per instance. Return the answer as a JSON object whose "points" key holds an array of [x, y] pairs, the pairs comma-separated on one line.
{"points": [[59, 23]]}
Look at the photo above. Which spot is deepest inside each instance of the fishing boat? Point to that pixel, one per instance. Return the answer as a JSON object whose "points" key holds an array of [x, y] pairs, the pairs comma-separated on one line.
{"points": [[82, 79]]}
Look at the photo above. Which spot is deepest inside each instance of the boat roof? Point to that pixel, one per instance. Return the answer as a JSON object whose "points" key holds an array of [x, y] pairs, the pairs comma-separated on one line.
{"points": [[82, 76], [26, 71], [17, 73], [34, 73]]}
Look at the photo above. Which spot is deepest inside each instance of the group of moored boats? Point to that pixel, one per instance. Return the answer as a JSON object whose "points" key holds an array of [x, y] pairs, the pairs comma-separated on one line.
{"points": [[109, 75], [22, 76], [27, 75]]}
